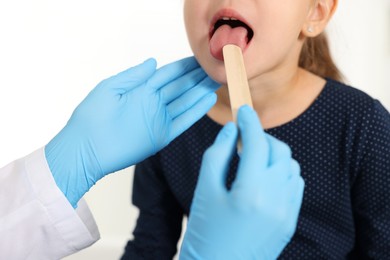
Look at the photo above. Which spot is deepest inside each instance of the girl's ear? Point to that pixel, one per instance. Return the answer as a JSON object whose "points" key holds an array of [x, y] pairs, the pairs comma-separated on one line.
{"points": [[318, 17]]}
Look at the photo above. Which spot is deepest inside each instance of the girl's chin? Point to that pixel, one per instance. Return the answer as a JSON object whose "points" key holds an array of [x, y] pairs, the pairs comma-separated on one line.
{"points": [[221, 79], [217, 74], [213, 67]]}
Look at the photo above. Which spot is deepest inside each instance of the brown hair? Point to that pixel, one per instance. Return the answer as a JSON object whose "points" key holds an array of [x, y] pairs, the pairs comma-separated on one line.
{"points": [[316, 58]]}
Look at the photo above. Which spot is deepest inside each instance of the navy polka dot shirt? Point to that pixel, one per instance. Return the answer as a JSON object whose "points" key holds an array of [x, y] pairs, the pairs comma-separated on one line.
{"points": [[342, 143]]}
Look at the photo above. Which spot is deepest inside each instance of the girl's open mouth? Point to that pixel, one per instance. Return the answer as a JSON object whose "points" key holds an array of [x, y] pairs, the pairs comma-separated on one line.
{"points": [[228, 27]]}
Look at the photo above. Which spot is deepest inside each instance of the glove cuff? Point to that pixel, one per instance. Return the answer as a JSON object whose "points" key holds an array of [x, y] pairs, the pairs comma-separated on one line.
{"points": [[69, 161]]}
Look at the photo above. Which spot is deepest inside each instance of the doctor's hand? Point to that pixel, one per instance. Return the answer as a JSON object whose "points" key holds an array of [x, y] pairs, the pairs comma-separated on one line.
{"points": [[126, 119], [258, 216]]}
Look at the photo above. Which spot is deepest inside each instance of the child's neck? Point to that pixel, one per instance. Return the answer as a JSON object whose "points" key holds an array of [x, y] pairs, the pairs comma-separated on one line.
{"points": [[276, 101]]}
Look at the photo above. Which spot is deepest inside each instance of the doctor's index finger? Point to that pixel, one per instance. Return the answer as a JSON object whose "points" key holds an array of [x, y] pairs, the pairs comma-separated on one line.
{"points": [[172, 71], [177, 87], [255, 147], [131, 77], [280, 152], [187, 96]]}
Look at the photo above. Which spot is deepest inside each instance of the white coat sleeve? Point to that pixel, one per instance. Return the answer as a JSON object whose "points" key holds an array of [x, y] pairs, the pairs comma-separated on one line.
{"points": [[36, 219]]}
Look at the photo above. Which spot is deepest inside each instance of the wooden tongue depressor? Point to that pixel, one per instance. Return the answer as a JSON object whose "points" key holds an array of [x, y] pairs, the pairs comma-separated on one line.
{"points": [[237, 81]]}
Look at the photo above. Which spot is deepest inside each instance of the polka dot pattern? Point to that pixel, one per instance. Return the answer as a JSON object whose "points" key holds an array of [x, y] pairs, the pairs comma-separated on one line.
{"points": [[342, 142]]}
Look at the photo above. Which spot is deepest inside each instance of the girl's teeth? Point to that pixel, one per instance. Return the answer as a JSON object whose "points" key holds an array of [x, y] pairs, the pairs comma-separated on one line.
{"points": [[228, 18]]}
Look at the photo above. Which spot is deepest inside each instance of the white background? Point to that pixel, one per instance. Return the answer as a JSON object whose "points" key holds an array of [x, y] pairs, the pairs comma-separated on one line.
{"points": [[52, 53]]}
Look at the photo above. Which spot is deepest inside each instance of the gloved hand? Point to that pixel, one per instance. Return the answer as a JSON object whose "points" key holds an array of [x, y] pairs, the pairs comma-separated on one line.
{"points": [[126, 119], [258, 216]]}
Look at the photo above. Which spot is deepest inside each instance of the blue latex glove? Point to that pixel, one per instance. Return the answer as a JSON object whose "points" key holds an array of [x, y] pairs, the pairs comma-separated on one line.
{"points": [[126, 119], [258, 216]]}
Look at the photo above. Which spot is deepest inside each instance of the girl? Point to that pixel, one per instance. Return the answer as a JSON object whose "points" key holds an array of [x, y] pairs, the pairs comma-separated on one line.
{"points": [[338, 134]]}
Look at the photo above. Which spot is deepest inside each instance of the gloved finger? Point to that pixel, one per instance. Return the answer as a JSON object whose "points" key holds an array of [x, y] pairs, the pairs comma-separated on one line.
{"points": [[255, 147], [278, 150], [184, 102], [216, 161], [294, 181], [132, 77], [297, 195], [191, 115], [172, 71], [295, 169], [280, 161], [179, 86], [283, 174], [298, 186]]}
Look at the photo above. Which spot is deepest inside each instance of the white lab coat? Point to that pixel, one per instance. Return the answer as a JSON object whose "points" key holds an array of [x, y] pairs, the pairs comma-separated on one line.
{"points": [[36, 219]]}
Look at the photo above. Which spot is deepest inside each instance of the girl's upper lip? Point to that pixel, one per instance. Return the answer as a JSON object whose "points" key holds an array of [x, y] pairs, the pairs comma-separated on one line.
{"points": [[226, 12]]}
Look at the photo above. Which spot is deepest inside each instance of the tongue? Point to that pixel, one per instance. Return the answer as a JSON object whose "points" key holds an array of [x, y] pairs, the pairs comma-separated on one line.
{"points": [[226, 35]]}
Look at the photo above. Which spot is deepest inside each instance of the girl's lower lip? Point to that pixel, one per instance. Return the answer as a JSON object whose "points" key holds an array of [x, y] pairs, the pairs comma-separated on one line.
{"points": [[219, 55]]}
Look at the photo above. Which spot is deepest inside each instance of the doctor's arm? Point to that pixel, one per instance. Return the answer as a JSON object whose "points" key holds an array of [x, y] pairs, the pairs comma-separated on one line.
{"points": [[124, 119]]}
